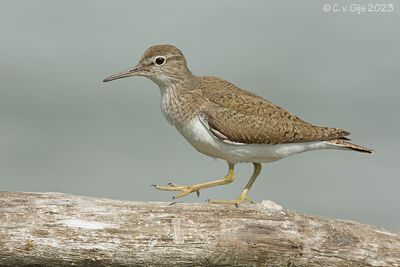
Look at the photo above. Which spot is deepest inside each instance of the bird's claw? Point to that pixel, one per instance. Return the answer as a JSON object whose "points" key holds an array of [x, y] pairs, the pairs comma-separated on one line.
{"points": [[185, 190]]}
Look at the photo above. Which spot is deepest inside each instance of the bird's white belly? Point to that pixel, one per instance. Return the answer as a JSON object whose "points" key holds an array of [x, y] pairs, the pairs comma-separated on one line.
{"points": [[203, 141]]}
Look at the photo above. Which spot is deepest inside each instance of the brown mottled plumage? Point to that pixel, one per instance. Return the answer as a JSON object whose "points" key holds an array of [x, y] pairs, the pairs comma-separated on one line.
{"points": [[223, 121], [244, 117]]}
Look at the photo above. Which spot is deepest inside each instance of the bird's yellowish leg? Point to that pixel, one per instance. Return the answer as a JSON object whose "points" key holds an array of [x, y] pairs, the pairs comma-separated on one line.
{"points": [[243, 196], [185, 190]]}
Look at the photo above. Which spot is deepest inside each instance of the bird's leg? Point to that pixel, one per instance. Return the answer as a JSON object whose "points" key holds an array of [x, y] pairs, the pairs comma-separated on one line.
{"points": [[243, 196], [185, 190]]}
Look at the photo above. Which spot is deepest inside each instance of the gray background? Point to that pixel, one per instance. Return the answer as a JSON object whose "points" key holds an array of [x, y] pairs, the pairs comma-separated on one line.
{"points": [[62, 129]]}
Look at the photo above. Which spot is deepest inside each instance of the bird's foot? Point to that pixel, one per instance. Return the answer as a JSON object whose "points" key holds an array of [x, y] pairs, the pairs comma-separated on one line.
{"points": [[235, 202], [185, 190]]}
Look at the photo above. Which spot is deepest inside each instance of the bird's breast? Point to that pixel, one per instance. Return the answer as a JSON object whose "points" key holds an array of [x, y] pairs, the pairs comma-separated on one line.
{"points": [[179, 107], [170, 106]]}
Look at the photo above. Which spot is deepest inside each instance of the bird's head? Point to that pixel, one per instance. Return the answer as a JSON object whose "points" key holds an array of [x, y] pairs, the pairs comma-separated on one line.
{"points": [[163, 64]]}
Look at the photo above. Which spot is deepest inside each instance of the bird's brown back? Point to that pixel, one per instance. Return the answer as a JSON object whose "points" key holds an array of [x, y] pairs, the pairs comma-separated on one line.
{"points": [[241, 116]]}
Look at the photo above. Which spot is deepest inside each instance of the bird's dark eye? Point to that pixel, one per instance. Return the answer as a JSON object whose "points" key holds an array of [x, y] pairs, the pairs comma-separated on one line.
{"points": [[160, 60]]}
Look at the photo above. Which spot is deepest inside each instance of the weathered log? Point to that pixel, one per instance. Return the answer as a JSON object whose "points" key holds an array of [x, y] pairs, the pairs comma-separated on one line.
{"points": [[52, 229]]}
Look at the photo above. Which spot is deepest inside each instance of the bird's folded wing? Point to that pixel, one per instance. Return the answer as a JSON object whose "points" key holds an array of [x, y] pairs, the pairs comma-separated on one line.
{"points": [[228, 95], [230, 125]]}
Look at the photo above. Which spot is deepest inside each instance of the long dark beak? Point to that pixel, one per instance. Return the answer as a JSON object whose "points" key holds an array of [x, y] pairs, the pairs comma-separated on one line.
{"points": [[125, 73]]}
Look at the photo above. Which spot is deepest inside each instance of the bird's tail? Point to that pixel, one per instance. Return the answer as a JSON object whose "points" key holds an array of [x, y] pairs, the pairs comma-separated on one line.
{"points": [[343, 143]]}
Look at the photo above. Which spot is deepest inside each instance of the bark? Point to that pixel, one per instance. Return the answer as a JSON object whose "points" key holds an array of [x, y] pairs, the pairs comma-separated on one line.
{"points": [[52, 229]]}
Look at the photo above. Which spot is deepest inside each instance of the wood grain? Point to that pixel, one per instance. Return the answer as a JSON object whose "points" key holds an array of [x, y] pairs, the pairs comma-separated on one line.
{"points": [[53, 229]]}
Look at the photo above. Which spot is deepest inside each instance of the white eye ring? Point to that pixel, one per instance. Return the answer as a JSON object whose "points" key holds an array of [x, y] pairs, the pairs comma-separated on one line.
{"points": [[160, 60]]}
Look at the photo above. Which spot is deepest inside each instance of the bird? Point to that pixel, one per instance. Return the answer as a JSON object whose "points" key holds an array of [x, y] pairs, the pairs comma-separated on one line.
{"points": [[223, 121]]}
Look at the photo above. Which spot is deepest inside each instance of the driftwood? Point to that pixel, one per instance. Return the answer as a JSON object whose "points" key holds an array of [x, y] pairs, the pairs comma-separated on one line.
{"points": [[52, 229]]}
